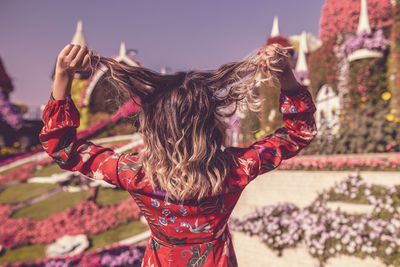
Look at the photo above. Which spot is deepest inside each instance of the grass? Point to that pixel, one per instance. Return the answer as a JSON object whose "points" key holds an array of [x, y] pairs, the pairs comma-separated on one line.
{"points": [[109, 196], [23, 192], [47, 170], [11, 169], [54, 204], [116, 234], [25, 253]]}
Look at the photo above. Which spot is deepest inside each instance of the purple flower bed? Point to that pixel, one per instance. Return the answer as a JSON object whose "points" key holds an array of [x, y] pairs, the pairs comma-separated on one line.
{"points": [[116, 256], [377, 41], [9, 113], [328, 233], [300, 75]]}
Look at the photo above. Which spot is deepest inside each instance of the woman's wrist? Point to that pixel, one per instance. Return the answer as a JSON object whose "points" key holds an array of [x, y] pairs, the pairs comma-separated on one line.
{"points": [[288, 81], [62, 85]]}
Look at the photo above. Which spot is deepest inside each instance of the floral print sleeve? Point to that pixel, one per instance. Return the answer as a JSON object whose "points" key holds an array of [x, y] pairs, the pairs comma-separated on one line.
{"points": [[58, 138], [267, 153]]}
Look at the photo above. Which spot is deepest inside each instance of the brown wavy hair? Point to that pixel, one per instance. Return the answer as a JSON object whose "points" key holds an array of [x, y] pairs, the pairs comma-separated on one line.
{"points": [[181, 118]]}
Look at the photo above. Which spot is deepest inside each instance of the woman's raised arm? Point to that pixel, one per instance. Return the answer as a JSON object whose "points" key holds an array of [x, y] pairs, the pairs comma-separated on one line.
{"points": [[297, 108], [61, 118]]}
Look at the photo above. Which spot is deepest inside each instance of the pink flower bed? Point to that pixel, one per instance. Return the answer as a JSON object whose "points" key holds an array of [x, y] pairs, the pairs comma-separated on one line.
{"points": [[26, 171], [341, 16], [85, 218], [20, 174], [341, 163]]}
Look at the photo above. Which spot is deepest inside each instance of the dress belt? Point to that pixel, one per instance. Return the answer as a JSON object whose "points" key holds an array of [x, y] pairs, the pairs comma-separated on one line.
{"points": [[176, 242]]}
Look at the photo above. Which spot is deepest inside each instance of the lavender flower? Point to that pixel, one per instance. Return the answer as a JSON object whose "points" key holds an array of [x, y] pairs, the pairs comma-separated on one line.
{"points": [[375, 42], [9, 113]]}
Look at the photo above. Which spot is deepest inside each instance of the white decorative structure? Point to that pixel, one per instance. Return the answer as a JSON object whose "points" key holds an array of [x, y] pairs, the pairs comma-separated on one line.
{"points": [[363, 22], [272, 115], [364, 26], [275, 27], [122, 57], [52, 179], [364, 53], [313, 43], [79, 37], [328, 109], [68, 245], [301, 64]]}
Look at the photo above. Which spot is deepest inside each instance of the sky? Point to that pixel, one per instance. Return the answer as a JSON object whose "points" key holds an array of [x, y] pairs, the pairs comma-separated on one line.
{"points": [[178, 34]]}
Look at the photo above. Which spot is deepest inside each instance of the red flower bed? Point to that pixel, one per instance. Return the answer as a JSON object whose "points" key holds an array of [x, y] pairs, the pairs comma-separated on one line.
{"points": [[85, 218], [323, 66]]}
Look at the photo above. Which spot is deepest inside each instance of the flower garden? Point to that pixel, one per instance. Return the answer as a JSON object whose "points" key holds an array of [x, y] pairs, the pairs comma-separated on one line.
{"points": [[41, 205], [328, 233], [35, 215], [359, 63]]}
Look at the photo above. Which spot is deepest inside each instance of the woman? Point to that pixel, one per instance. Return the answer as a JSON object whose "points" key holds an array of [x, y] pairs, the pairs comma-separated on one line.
{"points": [[184, 183]]}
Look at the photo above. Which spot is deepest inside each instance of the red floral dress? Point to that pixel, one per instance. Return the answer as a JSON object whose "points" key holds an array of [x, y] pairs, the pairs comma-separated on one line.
{"points": [[189, 233]]}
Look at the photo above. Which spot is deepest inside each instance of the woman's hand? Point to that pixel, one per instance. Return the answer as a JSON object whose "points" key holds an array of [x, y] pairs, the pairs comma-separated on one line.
{"points": [[71, 59], [277, 59]]}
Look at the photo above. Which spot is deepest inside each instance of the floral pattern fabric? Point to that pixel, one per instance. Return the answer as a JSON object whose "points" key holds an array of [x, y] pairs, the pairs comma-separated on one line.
{"points": [[192, 232]]}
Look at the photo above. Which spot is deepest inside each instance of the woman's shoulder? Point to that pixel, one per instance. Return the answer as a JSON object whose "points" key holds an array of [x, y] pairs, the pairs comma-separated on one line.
{"points": [[130, 171]]}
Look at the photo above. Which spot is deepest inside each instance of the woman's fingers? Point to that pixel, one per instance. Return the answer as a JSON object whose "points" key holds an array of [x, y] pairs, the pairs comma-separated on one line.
{"points": [[77, 61], [66, 50], [86, 60], [73, 58], [72, 54]]}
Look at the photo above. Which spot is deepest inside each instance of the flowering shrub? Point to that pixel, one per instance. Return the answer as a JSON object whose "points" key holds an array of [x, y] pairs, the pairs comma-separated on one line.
{"points": [[325, 232], [323, 66], [20, 174], [283, 41], [364, 40], [385, 200], [85, 218], [124, 255], [278, 226], [370, 128], [351, 189], [341, 16], [341, 162], [367, 82], [24, 172], [9, 113], [127, 256]]}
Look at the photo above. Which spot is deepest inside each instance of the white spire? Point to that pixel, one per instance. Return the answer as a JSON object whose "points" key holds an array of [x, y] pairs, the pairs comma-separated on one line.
{"points": [[363, 22], [275, 27], [301, 64], [79, 38], [122, 50]]}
